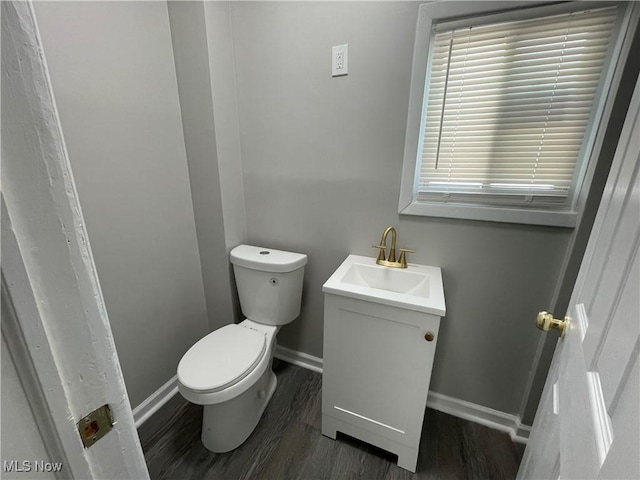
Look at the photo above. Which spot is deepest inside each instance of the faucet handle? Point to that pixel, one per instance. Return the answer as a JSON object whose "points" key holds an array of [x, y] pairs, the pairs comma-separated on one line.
{"points": [[381, 253], [403, 257]]}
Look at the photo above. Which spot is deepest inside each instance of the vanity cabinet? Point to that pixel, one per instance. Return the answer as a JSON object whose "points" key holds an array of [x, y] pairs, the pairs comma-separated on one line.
{"points": [[376, 373]]}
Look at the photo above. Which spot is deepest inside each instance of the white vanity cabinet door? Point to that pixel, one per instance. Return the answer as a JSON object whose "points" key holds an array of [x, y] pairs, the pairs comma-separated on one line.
{"points": [[376, 373]]}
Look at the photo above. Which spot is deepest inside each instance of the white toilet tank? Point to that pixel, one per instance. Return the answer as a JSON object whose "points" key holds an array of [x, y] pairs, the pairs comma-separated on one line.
{"points": [[269, 283]]}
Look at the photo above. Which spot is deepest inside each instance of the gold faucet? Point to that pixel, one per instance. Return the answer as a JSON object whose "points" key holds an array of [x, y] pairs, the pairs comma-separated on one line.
{"points": [[391, 260]]}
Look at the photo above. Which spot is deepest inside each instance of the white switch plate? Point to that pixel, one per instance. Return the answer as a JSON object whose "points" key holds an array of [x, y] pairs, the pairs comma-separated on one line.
{"points": [[339, 60]]}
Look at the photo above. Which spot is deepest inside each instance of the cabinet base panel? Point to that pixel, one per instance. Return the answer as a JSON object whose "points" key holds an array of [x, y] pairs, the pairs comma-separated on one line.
{"points": [[407, 455], [329, 427]]}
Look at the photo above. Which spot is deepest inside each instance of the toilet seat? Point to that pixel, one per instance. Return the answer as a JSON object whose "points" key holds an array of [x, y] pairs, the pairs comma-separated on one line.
{"points": [[221, 359]]}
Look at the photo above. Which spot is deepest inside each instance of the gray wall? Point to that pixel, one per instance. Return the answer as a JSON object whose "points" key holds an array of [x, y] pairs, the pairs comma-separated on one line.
{"points": [[322, 159], [21, 439], [217, 18], [114, 80], [279, 154], [189, 39]]}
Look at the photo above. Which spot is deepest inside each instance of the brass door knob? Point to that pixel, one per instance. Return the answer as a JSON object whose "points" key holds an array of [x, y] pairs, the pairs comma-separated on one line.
{"points": [[546, 322]]}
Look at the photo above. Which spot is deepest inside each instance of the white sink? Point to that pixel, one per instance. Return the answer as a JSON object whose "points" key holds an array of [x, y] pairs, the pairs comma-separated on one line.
{"points": [[417, 287]]}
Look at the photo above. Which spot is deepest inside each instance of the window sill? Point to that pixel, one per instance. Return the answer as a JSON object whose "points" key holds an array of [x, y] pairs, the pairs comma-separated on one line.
{"points": [[492, 213]]}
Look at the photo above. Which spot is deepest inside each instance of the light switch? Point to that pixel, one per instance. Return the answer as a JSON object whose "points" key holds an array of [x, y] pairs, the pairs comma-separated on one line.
{"points": [[339, 60]]}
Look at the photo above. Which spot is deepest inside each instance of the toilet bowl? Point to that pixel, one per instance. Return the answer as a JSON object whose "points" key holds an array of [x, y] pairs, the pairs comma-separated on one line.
{"points": [[229, 370], [238, 386]]}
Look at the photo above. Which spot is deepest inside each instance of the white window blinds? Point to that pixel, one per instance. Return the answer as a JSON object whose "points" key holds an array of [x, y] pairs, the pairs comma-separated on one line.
{"points": [[508, 105]]}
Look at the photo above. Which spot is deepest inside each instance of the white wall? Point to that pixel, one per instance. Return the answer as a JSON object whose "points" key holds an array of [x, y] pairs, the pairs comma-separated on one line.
{"points": [[114, 80], [322, 159]]}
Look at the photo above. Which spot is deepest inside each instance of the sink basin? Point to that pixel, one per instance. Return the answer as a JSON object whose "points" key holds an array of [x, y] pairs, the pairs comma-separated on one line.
{"points": [[384, 278], [418, 287]]}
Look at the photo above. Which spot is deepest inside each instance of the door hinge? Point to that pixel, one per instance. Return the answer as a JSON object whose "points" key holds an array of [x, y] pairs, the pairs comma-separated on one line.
{"points": [[95, 425]]}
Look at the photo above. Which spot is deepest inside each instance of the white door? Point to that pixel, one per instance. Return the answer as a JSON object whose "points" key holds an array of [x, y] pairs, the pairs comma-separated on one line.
{"points": [[54, 323], [588, 424]]}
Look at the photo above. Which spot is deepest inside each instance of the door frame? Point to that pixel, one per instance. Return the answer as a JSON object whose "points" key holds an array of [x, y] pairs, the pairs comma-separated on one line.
{"points": [[58, 332]]}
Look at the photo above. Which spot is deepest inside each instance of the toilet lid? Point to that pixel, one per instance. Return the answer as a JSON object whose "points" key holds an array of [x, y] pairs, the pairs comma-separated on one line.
{"points": [[222, 358]]}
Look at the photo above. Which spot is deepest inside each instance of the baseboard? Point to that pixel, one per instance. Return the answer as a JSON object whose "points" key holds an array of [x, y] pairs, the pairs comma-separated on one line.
{"points": [[161, 396], [301, 359], [522, 433], [155, 401], [486, 416]]}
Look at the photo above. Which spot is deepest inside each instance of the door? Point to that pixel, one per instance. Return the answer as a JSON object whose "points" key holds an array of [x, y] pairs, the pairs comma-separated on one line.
{"points": [[54, 324], [587, 425]]}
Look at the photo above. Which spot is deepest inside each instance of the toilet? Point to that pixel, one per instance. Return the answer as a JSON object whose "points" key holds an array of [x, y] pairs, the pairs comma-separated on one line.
{"points": [[229, 371]]}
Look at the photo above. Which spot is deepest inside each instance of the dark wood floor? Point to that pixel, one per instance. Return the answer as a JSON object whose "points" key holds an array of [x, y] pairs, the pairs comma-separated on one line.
{"points": [[287, 444]]}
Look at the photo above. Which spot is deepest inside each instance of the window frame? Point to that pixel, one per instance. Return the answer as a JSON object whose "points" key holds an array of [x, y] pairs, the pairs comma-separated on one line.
{"points": [[474, 11]]}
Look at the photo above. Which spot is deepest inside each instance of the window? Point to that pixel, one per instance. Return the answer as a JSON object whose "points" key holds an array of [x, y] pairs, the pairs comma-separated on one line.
{"points": [[510, 106]]}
